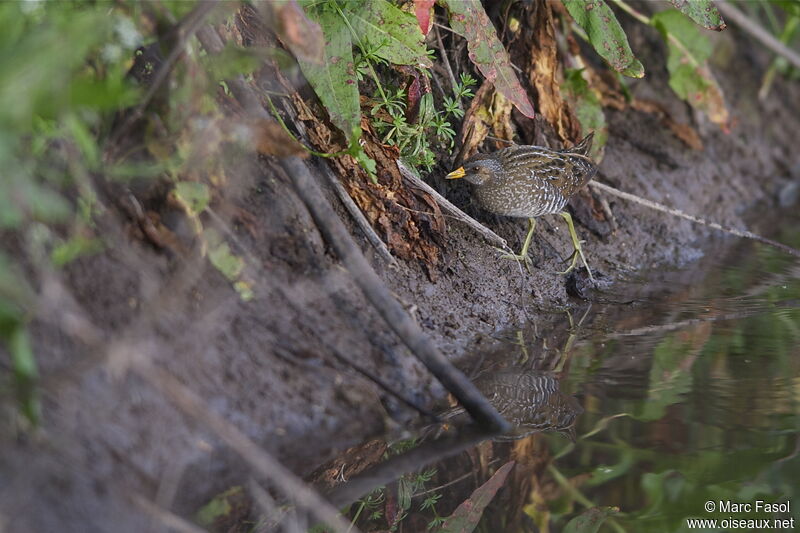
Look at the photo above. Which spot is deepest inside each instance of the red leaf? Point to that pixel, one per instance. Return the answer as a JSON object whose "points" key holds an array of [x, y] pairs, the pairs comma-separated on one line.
{"points": [[302, 35], [423, 10], [467, 515], [467, 18]]}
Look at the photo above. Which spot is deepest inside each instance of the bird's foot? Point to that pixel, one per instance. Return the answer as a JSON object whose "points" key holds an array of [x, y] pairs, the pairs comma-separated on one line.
{"points": [[520, 258], [573, 259]]}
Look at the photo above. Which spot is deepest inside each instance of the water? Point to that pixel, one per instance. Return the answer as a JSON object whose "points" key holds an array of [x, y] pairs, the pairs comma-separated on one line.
{"points": [[672, 393]]}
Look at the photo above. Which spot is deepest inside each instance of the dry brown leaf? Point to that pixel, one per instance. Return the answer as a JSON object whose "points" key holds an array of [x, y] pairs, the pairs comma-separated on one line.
{"points": [[544, 73], [609, 88], [500, 116], [684, 132], [490, 111], [475, 128], [408, 220], [300, 34], [269, 138]]}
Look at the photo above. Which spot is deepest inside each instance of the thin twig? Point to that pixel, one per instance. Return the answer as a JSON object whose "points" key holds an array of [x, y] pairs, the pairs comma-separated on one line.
{"points": [[443, 51], [262, 462], [678, 213], [756, 31], [442, 26], [187, 27], [684, 324], [394, 467], [383, 385], [247, 97], [388, 307], [452, 482], [359, 218], [457, 213], [170, 521]]}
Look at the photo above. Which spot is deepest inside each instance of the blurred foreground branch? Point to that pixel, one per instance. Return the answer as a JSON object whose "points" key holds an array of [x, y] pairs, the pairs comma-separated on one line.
{"points": [[756, 31]]}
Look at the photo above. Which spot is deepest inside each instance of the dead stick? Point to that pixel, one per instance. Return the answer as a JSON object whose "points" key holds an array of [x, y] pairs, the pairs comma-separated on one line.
{"points": [[358, 216], [678, 213], [381, 298], [187, 27], [488, 234], [368, 281], [752, 27], [213, 44], [394, 467], [193, 406], [169, 520]]}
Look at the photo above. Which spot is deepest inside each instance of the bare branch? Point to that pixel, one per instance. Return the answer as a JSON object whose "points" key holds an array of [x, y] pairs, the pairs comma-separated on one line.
{"points": [[678, 213], [262, 462], [757, 32], [454, 211]]}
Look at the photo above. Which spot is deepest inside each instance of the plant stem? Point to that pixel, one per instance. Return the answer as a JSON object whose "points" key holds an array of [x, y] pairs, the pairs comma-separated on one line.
{"points": [[361, 506], [641, 17], [578, 495], [785, 37], [361, 46], [292, 135]]}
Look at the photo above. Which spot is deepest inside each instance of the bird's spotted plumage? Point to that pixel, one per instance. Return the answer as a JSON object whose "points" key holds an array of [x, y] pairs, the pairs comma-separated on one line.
{"points": [[529, 181]]}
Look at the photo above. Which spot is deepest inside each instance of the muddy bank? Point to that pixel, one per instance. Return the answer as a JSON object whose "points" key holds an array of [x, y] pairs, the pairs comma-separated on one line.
{"points": [[267, 365]]}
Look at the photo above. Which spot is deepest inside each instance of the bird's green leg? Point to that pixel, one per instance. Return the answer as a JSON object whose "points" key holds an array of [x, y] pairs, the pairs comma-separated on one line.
{"points": [[577, 244], [523, 255]]}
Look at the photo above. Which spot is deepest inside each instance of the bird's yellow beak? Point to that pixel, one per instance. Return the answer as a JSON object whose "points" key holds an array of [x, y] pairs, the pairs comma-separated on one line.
{"points": [[457, 173]]}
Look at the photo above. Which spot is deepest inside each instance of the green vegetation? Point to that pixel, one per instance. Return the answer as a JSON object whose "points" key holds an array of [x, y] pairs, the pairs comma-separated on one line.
{"points": [[69, 104], [717, 416]]}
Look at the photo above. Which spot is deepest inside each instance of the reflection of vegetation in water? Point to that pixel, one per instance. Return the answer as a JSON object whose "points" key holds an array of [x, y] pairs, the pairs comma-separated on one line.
{"points": [[388, 506], [716, 418]]}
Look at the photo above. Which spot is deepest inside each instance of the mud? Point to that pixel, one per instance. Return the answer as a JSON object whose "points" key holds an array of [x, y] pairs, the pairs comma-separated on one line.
{"points": [[266, 365]]}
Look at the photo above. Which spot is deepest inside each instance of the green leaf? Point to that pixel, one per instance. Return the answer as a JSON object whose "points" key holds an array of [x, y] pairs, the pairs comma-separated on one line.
{"points": [[702, 12], [467, 515], [74, 248], [114, 92], [790, 6], [334, 80], [590, 520], [468, 18], [84, 139], [366, 162], [25, 373], [232, 61], [605, 35], [689, 74], [219, 507], [228, 264], [44, 204], [245, 290], [404, 494], [588, 109], [47, 87], [670, 379], [195, 195], [395, 32]]}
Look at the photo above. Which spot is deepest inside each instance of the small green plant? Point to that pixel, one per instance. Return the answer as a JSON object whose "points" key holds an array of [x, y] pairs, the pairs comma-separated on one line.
{"points": [[432, 128], [370, 508]]}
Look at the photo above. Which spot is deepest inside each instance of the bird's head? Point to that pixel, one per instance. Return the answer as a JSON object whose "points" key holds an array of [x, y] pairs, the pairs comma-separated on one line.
{"points": [[480, 169]]}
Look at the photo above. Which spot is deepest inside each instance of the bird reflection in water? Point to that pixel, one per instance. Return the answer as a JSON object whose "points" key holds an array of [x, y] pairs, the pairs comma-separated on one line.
{"points": [[531, 401], [527, 392]]}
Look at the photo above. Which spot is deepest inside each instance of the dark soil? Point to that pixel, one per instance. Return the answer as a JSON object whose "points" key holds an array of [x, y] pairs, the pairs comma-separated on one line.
{"points": [[266, 365]]}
